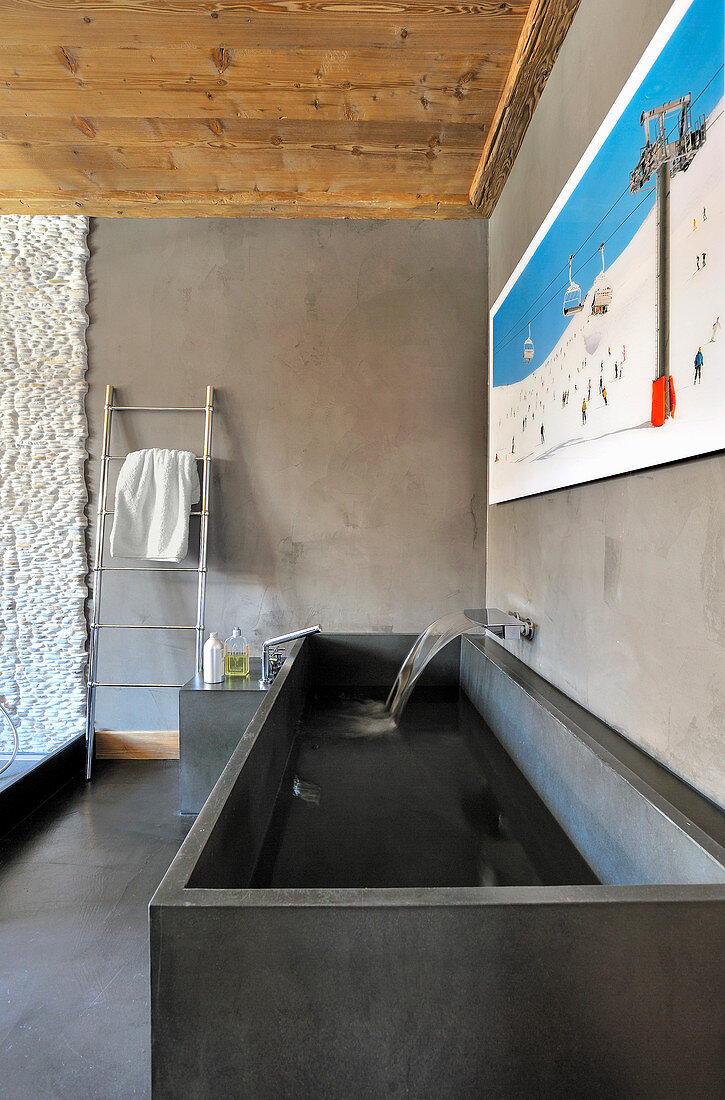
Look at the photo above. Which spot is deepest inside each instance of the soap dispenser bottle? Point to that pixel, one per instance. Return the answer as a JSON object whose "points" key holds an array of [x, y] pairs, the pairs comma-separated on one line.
{"points": [[213, 660], [236, 649]]}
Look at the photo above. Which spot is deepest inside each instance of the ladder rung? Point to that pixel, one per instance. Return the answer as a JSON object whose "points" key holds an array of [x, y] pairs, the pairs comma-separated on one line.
{"points": [[159, 408], [122, 458], [99, 684], [193, 512], [141, 626], [148, 569]]}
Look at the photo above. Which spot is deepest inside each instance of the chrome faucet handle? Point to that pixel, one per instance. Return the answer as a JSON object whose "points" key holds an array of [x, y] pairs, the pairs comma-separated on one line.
{"points": [[276, 659]]}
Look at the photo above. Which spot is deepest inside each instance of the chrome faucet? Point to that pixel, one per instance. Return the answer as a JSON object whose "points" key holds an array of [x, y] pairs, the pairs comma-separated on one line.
{"points": [[270, 665]]}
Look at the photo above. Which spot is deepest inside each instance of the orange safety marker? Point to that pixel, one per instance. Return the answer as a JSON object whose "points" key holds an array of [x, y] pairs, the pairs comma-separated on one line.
{"points": [[658, 402]]}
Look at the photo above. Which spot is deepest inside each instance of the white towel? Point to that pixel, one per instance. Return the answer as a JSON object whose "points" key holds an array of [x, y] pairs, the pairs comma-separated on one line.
{"points": [[154, 494]]}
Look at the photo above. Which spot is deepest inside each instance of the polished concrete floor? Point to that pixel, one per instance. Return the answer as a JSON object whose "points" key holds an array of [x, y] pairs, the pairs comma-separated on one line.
{"points": [[75, 882]]}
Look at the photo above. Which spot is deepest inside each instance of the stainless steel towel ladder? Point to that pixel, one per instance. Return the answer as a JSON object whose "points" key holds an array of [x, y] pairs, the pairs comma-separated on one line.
{"points": [[98, 559]]}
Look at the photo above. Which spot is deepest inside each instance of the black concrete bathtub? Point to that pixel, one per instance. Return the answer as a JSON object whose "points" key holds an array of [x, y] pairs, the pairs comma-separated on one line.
{"points": [[456, 991]]}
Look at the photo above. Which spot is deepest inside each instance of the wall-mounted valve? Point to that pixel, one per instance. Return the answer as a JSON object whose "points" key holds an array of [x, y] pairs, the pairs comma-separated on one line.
{"points": [[508, 626], [528, 627]]}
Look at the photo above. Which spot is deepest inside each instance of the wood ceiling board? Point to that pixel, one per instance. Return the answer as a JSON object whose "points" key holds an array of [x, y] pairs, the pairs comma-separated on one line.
{"points": [[365, 155], [541, 39], [268, 169], [402, 105], [35, 68], [81, 131], [276, 24], [236, 205]]}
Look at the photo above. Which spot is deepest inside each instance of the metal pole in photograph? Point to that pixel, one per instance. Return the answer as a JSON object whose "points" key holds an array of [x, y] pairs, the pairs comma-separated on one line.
{"points": [[664, 159], [663, 279]]}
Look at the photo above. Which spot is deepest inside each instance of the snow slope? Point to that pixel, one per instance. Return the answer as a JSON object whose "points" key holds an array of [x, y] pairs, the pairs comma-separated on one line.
{"points": [[618, 436]]}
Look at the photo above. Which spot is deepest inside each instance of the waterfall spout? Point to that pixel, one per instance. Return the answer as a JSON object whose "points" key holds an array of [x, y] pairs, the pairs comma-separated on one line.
{"points": [[445, 630]]}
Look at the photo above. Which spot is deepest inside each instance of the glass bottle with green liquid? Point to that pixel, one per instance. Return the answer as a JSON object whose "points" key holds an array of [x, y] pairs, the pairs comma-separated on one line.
{"points": [[236, 654]]}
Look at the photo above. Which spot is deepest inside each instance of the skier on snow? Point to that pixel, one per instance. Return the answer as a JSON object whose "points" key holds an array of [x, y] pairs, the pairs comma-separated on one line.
{"points": [[698, 366]]}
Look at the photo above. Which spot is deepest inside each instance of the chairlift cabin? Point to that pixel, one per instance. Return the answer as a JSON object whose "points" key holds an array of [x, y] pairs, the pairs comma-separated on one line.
{"points": [[573, 296], [602, 296], [528, 347]]}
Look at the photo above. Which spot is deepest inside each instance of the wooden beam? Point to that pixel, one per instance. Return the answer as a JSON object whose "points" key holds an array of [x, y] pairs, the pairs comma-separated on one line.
{"points": [[544, 31], [159, 204]]}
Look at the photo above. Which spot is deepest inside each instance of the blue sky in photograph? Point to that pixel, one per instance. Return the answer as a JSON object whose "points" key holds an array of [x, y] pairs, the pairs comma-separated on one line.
{"points": [[688, 63]]}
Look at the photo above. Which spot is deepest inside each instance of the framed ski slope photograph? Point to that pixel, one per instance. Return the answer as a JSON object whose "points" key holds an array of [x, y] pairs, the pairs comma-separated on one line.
{"points": [[608, 354]]}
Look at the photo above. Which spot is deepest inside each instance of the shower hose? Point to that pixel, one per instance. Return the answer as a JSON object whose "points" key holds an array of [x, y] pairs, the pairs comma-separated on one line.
{"points": [[16, 741]]}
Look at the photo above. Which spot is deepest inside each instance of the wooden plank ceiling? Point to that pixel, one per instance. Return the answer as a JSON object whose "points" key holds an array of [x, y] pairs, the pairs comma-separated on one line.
{"points": [[359, 108]]}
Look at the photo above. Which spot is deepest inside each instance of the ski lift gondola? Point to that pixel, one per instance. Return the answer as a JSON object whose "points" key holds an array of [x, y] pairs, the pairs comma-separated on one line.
{"points": [[602, 297], [528, 347], [573, 296]]}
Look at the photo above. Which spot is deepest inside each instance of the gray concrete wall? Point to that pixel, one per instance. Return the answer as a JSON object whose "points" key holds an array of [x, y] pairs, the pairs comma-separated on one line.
{"points": [[349, 438], [625, 577]]}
